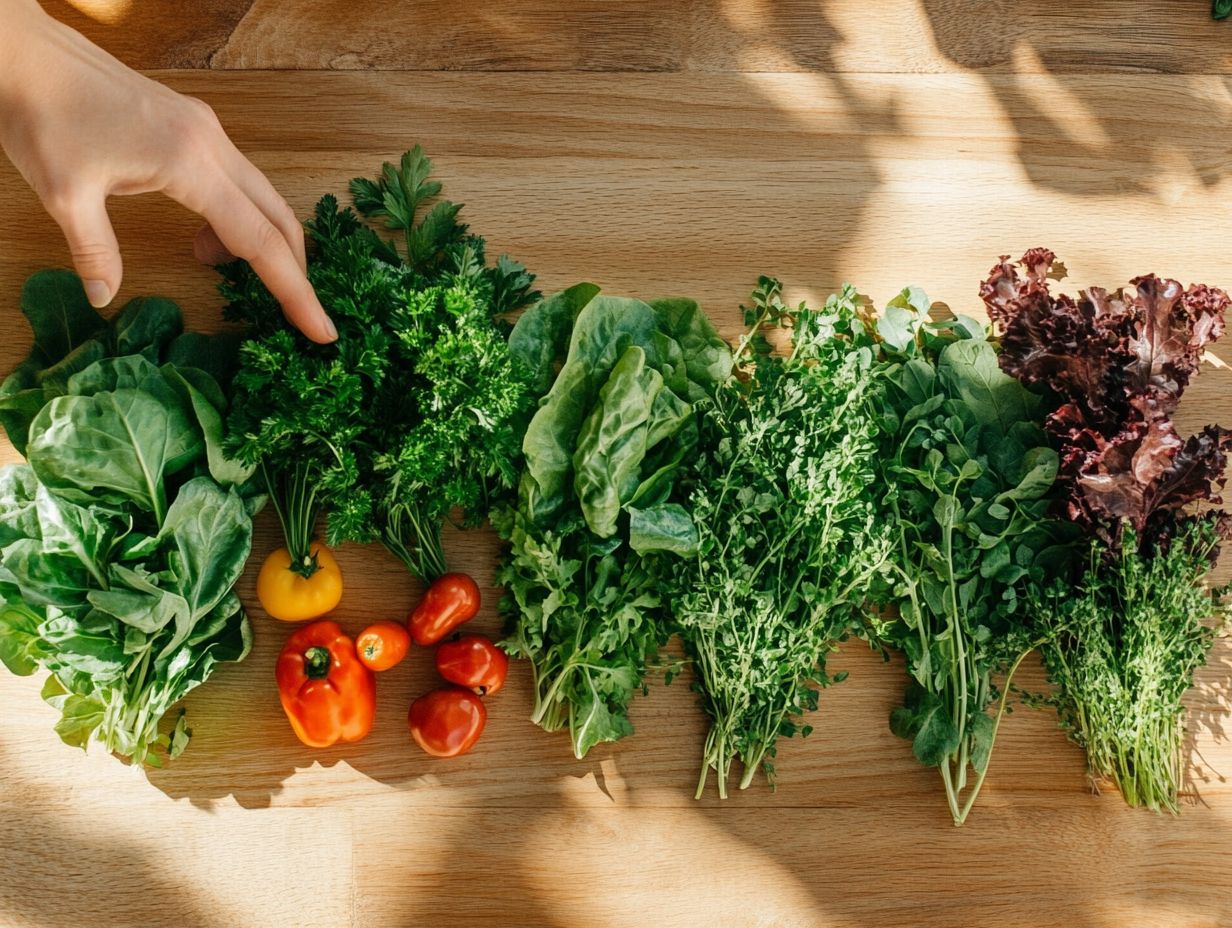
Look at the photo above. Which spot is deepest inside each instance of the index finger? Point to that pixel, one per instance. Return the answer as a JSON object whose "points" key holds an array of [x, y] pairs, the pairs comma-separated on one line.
{"points": [[249, 234]]}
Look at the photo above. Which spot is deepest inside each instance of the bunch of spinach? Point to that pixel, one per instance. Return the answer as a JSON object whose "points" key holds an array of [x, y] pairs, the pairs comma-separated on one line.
{"points": [[967, 475], [121, 539], [411, 413], [596, 503], [783, 497], [1124, 638]]}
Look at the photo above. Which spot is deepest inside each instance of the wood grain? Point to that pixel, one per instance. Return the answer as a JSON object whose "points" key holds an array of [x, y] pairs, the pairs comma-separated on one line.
{"points": [[651, 184], [1048, 36]]}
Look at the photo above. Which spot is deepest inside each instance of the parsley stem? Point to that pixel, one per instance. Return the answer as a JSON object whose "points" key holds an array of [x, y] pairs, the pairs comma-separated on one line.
{"points": [[295, 503]]}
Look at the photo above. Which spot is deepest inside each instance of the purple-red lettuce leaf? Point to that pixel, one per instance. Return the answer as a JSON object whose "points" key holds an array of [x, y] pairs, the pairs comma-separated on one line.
{"points": [[1112, 367]]}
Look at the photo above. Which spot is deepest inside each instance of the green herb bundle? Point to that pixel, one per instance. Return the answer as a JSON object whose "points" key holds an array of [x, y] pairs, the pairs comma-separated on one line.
{"points": [[1124, 650], [121, 539], [783, 494], [411, 413], [595, 504], [967, 479]]}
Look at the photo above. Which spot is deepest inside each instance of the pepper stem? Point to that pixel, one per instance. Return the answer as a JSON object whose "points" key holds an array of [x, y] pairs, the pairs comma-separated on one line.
{"points": [[317, 662]]}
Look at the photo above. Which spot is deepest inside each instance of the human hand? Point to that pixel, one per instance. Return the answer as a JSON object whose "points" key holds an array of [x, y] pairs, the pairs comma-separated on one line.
{"points": [[80, 127]]}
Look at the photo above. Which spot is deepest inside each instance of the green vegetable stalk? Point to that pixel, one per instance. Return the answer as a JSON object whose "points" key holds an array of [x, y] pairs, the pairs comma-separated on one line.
{"points": [[1122, 650]]}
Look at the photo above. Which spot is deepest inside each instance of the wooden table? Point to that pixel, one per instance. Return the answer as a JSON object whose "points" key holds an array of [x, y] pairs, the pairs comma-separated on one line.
{"points": [[655, 148]]}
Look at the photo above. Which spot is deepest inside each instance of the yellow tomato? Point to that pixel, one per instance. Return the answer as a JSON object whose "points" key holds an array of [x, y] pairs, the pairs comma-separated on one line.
{"points": [[288, 595]]}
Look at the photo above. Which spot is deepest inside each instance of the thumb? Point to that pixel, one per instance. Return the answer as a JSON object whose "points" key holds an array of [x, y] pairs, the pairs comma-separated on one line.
{"points": [[93, 246]]}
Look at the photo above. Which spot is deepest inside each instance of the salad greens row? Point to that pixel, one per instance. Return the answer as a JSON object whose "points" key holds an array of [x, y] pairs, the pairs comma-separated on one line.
{"points": [[958, 494], [927, 483]]}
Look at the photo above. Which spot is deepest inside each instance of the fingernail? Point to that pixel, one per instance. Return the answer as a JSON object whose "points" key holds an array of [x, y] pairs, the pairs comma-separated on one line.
{"points": [[98, 293], [330, 330]]}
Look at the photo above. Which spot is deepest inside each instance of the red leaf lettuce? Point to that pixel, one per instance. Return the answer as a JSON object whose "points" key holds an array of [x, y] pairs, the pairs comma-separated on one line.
{"points": [[1114, 366]]}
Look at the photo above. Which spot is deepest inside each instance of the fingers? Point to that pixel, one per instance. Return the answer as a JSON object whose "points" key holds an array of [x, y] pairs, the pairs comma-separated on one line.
{"points": [[262, 193], [91, 242], [246, 232]]}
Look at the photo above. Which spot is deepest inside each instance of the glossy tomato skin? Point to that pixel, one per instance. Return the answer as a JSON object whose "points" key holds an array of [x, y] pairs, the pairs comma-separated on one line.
{"points": [[450, 600], [447, 722], [383, 645], [291, 597], [473, 661]]}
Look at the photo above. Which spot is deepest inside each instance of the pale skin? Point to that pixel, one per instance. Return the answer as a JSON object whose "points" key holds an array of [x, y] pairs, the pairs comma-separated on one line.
{"points": [[81, 127]]}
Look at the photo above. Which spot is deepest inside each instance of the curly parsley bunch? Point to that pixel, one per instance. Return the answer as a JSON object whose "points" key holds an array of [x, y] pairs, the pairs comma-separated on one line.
{"points": [[411, 413]]}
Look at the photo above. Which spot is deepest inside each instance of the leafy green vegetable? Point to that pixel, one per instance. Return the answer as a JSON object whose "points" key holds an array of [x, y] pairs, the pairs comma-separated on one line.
{"points": [[602, 453], [69, 336], [411, 414], [967, 476], [783, 499], [118, 549], [115, 446], [1122, 651], [1123, 640]]}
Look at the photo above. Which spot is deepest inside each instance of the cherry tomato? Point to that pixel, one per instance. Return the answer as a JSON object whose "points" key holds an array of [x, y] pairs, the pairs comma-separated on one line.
{"points": [[473, 661], [451, 599], [383, 645], [288, 595], [447, 722]]}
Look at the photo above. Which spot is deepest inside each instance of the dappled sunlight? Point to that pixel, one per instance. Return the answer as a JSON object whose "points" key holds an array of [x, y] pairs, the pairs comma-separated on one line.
{"points": [[1072, 116], [672, 862], [107, 12], [799, 138]]}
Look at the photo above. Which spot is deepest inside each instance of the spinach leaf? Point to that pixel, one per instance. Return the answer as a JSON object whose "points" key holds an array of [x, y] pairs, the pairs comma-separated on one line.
{"points": [[205, 529], [602, 453], [121, 540], [612, 441], [70, 337], [118, 446], [540, 337], [21, 647], [55, 304]]}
